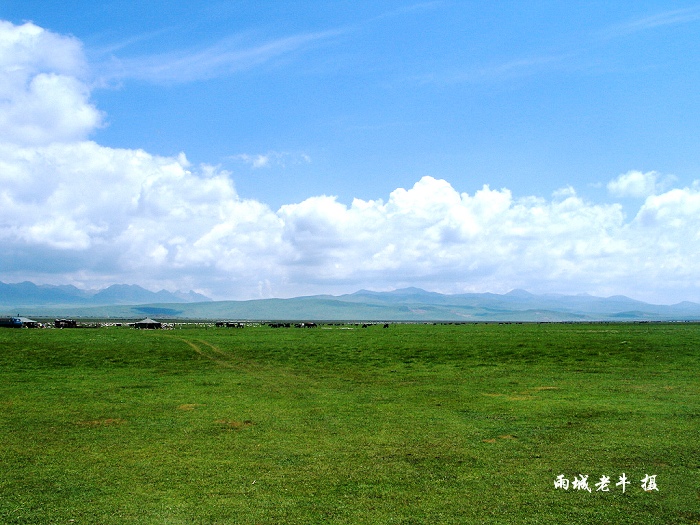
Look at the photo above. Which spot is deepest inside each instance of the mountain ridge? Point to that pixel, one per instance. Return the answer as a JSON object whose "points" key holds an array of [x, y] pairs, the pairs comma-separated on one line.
{"points": [[28, 294], [406, 304]]}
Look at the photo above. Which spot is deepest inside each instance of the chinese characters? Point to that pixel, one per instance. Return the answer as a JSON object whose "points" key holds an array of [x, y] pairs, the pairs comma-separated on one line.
{"points": [[580, 482]]}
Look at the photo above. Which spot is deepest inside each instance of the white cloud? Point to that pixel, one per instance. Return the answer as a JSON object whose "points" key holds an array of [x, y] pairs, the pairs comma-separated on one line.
{"points": [[661, 19], [73, 211], [28, 50], [222, 58], [634, 184], [42, 99], [272, 158]]}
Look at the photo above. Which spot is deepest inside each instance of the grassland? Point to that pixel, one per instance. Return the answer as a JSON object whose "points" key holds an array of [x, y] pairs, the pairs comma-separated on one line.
{"points": [[410, 424]]}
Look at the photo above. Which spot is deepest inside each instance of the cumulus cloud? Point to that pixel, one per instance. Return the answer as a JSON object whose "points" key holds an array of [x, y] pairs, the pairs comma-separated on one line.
{"points": [[432, 233], [74, 211], [150, 214], [41, 96], [634, 184]]}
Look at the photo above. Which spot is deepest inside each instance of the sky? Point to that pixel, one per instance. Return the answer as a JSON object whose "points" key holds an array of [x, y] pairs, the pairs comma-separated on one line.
{"points": [[253, 149]]}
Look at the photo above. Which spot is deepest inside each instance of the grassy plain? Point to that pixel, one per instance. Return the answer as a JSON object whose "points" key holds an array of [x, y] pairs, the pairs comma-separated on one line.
{"points": [[410, 424]]}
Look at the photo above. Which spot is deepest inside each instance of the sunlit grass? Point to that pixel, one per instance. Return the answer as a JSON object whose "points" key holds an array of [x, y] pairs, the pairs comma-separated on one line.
{"points": [[411, 424]]}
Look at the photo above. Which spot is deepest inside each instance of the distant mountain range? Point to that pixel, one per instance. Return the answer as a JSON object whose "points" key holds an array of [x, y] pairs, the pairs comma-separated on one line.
{"points": [[28, 294], [408, 304]]}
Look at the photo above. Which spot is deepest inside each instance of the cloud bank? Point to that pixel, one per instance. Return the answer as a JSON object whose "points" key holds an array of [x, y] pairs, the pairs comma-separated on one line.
{"points": [[73, 211]]}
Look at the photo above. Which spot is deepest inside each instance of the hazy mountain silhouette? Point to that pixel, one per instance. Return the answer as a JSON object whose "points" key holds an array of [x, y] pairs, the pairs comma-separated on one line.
{"points": [[406, 304], [29, 294]]}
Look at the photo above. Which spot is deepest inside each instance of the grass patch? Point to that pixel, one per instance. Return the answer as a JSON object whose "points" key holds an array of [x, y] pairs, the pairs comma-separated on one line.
{"points": [[411, 424]]}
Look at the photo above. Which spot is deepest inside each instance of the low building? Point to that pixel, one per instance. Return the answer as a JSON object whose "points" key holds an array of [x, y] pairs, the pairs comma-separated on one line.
{"points": [[29, 323], [148, 324], [10, 322], [65, 323], [18, 322]]}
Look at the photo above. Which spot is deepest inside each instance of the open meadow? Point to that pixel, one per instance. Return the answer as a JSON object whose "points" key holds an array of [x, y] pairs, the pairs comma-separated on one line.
{"points": [[408, 424]]}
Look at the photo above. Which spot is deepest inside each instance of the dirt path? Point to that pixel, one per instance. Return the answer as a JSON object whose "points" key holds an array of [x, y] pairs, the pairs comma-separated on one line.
{"points": [[210, 351]]}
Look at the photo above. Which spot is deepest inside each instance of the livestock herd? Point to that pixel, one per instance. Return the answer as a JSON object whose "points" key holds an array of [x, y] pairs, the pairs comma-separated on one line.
{"points": [[21, 322]]}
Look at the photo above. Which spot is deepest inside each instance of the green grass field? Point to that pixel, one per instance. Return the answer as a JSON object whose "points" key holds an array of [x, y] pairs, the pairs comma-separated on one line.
{"points": [[410, 424]]}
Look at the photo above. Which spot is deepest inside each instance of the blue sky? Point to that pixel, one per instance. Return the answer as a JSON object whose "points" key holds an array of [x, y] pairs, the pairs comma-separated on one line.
{"points": [[309, 147]]}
